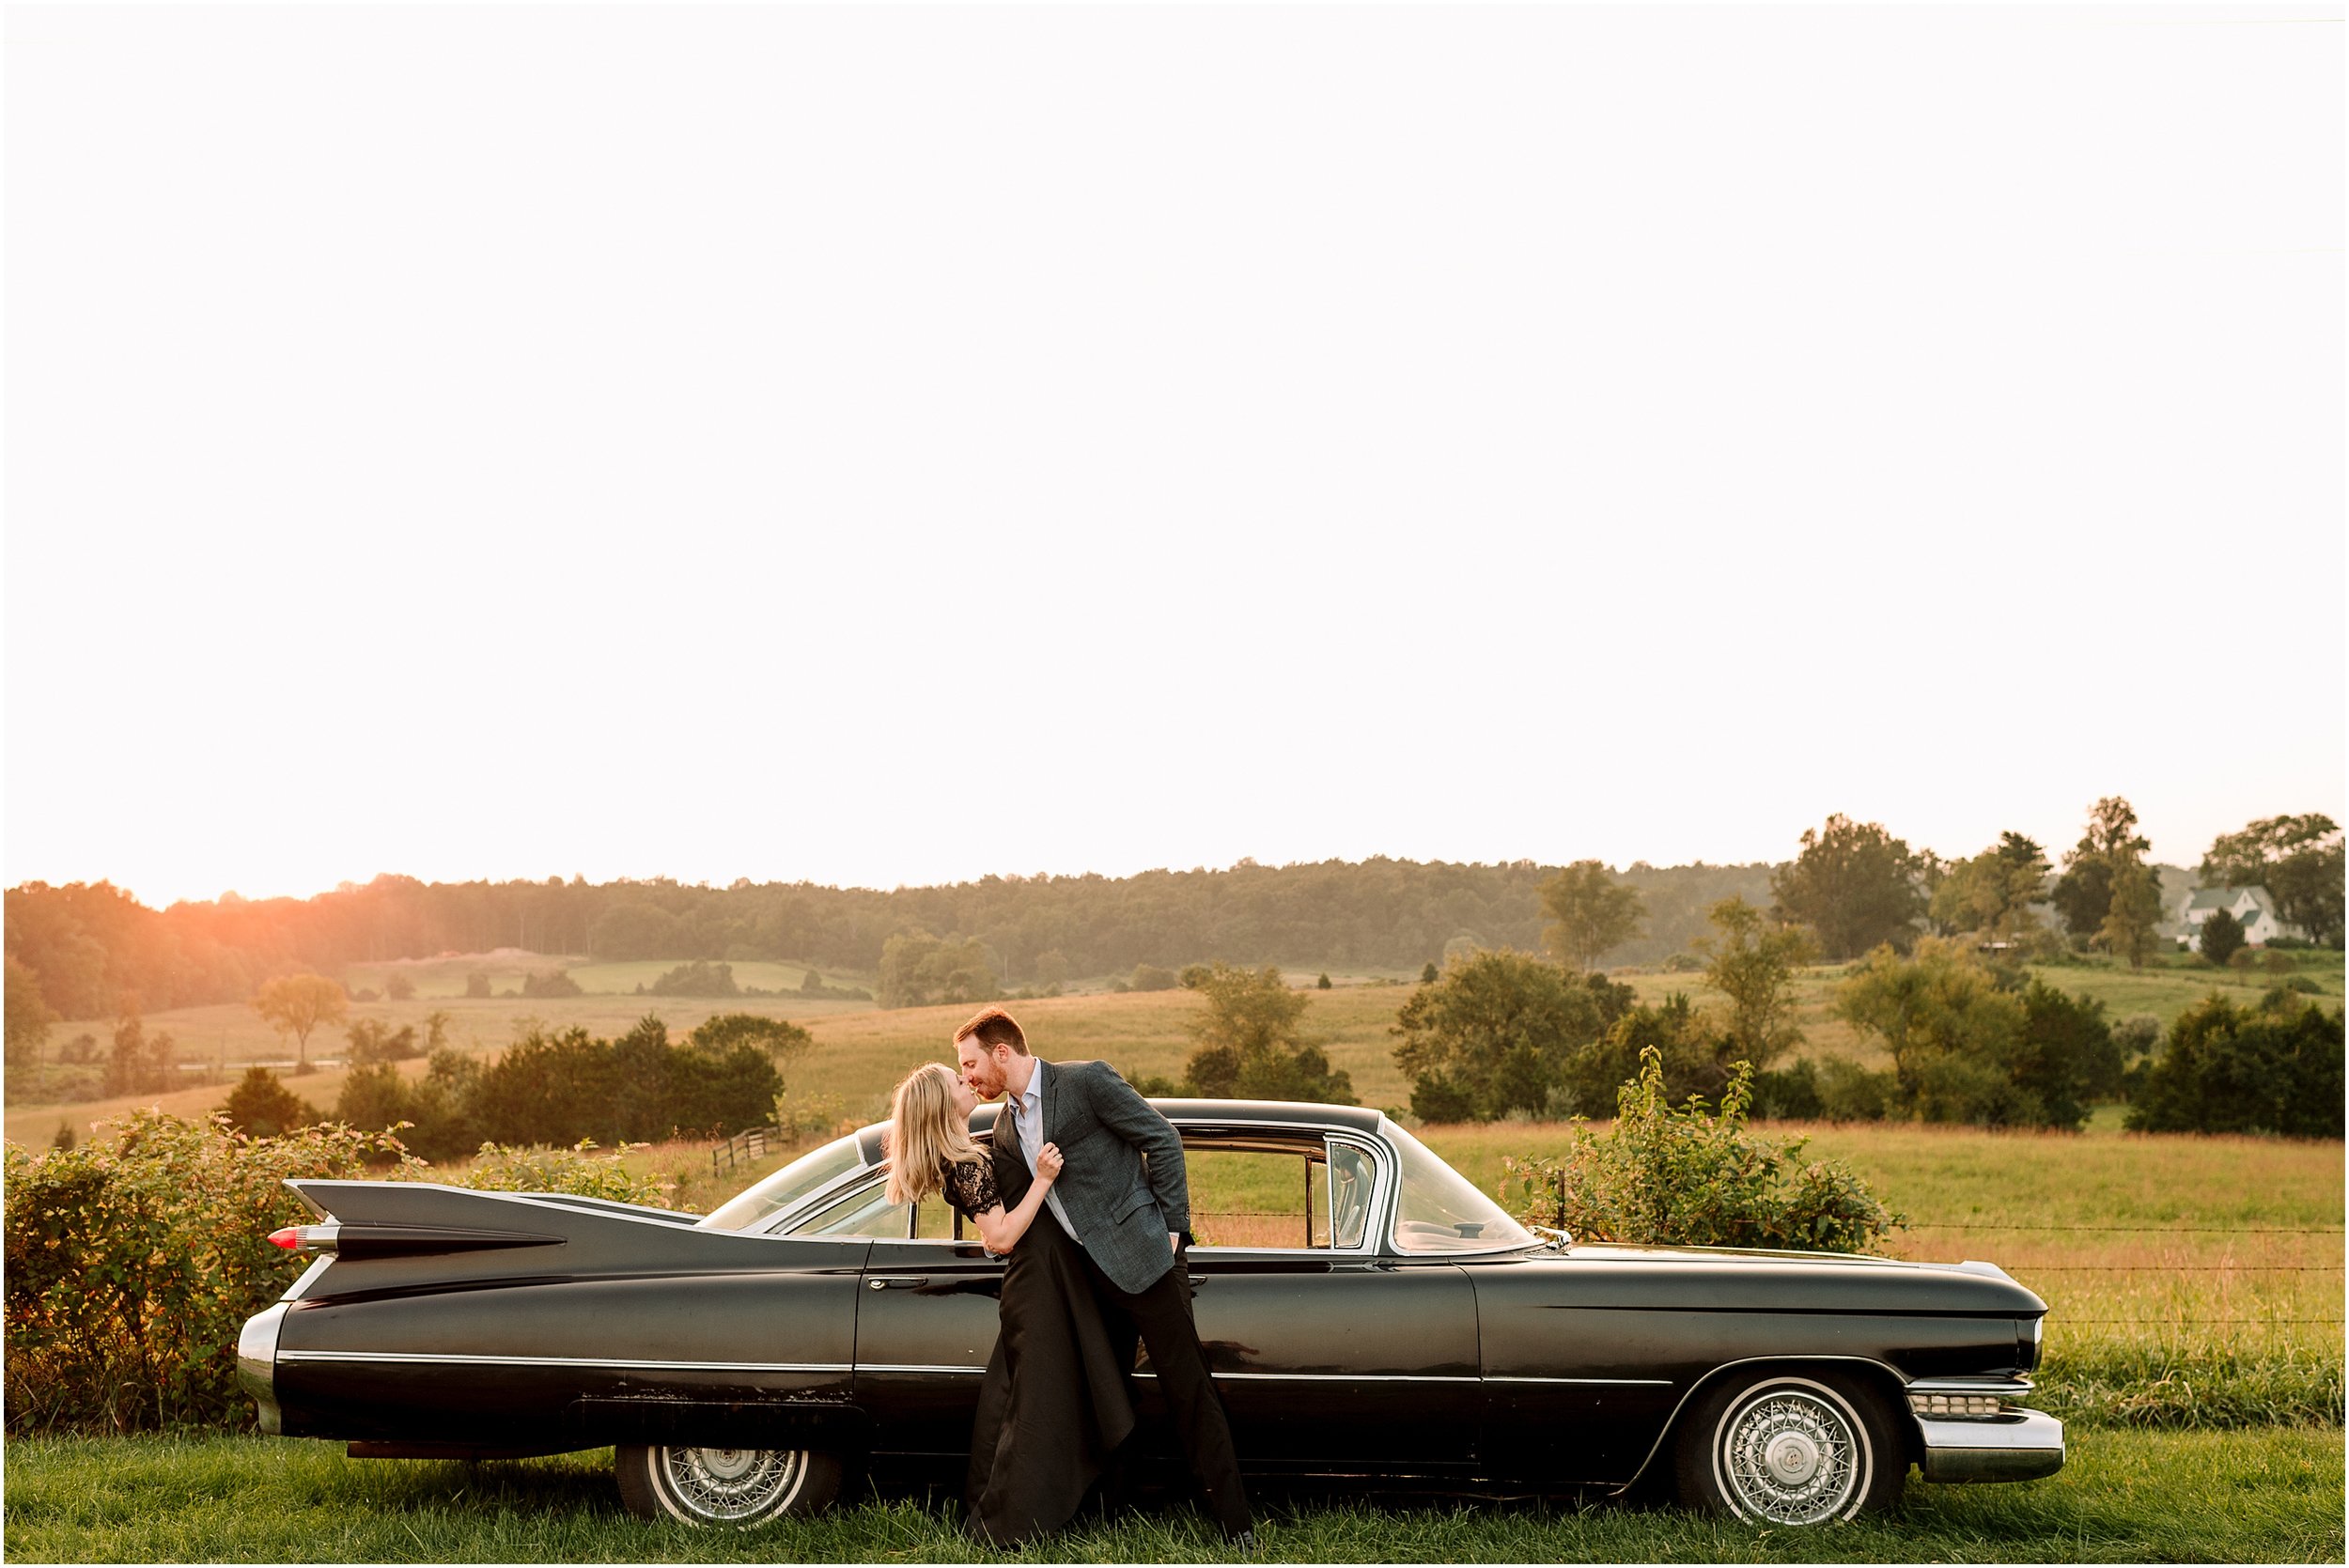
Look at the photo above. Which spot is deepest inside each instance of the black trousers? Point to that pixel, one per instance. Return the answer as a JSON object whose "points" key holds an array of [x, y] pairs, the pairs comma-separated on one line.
{"points": [[1162, 1315]]}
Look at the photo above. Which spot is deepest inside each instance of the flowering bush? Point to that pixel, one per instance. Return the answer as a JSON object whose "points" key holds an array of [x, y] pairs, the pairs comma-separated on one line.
{"points": [[1678, 1175], [134, 1260]]}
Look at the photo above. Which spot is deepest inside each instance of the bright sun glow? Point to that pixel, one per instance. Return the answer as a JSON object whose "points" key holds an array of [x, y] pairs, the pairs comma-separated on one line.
{"points": [[888, 445]]}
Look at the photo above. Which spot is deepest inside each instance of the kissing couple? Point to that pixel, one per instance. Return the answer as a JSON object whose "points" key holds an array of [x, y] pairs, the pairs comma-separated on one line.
{"points": [[1084, 1194]]}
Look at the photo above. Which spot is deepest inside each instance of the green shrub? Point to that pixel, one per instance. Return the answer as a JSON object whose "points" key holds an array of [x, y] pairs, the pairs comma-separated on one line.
{"points": [[1850, 1092], [578, 1171], [262, 1107], [699, 978], [1437, 1099], [374, 1040], [2137, 1035], [1151, 977], [1498, 1033], [476, 985], [2262, 1069], [1696, 1054], [2221, 937], [1968, 1046], [558, 1088], [554, 983], [1676, 1176], [1788, 1094], [1250, 1043], [133, 1261], [2276, 963]]}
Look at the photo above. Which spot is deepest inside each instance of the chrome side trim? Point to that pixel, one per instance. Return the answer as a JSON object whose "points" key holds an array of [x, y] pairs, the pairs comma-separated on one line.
{"points": [[1970, 1386], [912, 1366], [1332, 1377], [1612, 1382], [256, 1364], [420, 1358], [2020, 1445]]}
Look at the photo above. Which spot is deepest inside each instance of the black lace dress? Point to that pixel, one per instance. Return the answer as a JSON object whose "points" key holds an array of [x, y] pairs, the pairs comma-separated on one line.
{"points": [[1055, 1403]]}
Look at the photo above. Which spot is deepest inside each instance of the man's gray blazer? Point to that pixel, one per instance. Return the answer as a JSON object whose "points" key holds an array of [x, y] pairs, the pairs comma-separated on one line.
{"points": [[1122, 1204]]}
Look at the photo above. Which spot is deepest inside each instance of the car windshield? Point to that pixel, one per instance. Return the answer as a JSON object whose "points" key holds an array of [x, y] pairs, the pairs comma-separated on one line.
{"points": [[786, 1186], [1440, 1212]]}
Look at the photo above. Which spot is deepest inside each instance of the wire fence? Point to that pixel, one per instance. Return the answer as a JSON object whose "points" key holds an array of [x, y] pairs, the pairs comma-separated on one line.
{"points": [[1297, 1217], [2156, 1227]]}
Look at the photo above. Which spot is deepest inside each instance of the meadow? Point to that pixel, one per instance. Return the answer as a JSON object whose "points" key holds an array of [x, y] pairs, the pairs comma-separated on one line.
{"points": [[2270, 1496], [2193, 1282], [860, 1050]]}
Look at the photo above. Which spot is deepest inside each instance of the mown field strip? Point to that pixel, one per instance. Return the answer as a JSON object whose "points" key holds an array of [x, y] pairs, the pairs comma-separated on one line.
{"points": [[2265, 1496]]}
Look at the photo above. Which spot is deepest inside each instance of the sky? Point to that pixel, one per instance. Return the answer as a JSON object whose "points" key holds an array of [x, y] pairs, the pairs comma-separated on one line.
{"points": [[896, 445]]}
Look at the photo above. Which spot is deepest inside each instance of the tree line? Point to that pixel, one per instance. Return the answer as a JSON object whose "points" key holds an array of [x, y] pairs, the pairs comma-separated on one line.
{"points": [[92, 951], [549, 1087], [97, 953]]}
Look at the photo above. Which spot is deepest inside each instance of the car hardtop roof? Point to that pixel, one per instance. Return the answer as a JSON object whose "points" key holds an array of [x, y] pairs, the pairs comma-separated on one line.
{"points": [[1351, 1118]]}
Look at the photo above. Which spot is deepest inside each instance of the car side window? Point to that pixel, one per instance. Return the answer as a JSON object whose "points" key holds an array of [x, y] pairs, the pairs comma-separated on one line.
{"points": [[1350, 1183], [1258, 1197], [866, 1211], [934, 1219]]}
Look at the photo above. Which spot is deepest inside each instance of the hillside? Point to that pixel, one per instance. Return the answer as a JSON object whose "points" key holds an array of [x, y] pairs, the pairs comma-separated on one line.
{"points": [[860, 1050]]}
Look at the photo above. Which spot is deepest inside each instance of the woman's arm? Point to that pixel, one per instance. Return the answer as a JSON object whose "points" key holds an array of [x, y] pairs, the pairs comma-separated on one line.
{"points": [[1002, 1231]]}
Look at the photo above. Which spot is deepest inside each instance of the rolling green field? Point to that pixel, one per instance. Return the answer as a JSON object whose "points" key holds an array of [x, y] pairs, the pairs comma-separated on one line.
{"points": [[2270, 1496], [860, 1050], [436, 978], [2192, 1283]]}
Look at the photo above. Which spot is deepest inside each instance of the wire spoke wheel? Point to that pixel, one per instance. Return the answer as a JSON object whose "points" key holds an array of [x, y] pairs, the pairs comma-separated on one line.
{"points": [[1791, 1449], [1790, 1457], [725, 1485]]}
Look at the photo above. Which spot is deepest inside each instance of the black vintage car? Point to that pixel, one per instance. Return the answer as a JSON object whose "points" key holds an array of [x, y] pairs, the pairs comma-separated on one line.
{"points": [[1366, 1312]]}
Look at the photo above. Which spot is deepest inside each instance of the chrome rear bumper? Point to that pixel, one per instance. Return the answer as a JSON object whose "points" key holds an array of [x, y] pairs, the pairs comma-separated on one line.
{"points": [[2019, 1445], [256, 1363]]}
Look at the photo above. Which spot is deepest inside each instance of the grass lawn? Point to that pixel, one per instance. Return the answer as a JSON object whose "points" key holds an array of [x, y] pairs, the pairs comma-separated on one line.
{"points": [[2268, 1494]]}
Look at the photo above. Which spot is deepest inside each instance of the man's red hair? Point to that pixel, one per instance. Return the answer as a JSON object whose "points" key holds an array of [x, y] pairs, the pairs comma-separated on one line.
{"points": [[994, 1027]]}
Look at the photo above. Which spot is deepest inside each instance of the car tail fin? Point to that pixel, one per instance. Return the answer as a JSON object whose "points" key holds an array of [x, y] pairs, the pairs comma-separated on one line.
{"points": [[375, 1219]]}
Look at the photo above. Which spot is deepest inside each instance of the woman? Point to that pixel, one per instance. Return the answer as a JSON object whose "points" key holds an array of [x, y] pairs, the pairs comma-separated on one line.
{"points": [[1054, 1401]]}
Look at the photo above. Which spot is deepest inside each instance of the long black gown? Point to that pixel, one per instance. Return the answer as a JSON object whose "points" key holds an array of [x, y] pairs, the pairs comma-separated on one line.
{"points": [[1055, 1403]]}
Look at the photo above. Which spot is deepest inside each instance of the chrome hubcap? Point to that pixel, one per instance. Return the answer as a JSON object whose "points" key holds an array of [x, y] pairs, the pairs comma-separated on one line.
{"points": [[731, 1483], [1794, 1458], [1790, 1457]]}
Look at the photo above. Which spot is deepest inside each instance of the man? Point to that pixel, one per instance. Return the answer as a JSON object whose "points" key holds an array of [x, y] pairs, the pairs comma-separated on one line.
{"points": [[1123, 1199]]}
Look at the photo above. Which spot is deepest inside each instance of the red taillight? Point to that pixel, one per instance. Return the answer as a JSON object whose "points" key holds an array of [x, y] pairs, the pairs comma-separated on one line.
{"points": [[289, 1238]]}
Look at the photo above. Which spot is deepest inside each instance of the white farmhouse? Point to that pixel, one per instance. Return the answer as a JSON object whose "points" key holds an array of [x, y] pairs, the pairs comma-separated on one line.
{"points": [[2252, 905]]}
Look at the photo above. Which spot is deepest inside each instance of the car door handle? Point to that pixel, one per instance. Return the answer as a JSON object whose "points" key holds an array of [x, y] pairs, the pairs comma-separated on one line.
{"points": [[897, 1282]]}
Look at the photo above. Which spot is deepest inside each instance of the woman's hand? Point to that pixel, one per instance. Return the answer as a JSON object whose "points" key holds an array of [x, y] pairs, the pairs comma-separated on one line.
{"points": [[1048, 1163]]}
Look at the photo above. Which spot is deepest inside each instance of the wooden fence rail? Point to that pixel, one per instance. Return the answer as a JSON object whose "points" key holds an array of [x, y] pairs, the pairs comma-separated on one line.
{"points": [[744, 1148]]}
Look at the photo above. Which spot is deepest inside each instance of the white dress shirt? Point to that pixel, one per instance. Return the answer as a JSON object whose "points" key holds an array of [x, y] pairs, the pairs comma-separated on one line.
{"points": [[1027, 1109]]}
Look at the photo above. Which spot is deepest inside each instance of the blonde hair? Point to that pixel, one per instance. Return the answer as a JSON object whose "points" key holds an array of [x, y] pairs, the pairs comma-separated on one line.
{"points": [[925, 1134]]}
